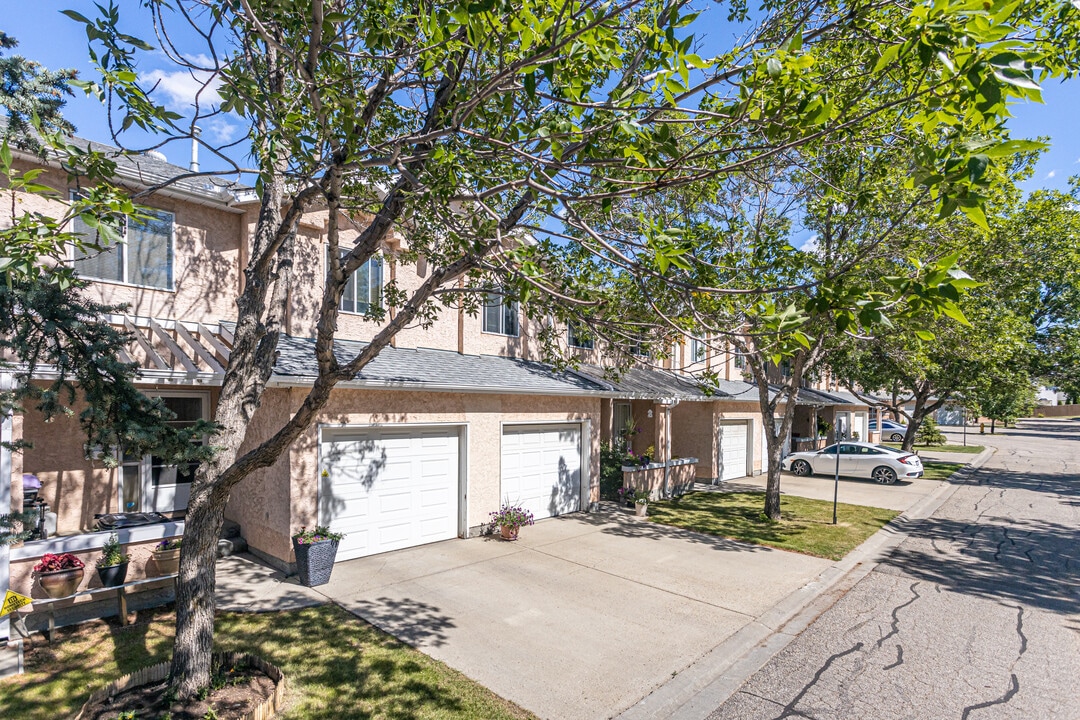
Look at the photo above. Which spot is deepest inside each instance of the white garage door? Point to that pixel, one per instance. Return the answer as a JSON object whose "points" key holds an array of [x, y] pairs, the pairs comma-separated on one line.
{"points": [[541, 468], [389, 488], [733, 440]]}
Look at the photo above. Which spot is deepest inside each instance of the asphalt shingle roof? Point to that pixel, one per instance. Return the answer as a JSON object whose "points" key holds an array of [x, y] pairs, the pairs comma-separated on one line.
{"points": [[651, 383], [147, 170], [438, 368]]}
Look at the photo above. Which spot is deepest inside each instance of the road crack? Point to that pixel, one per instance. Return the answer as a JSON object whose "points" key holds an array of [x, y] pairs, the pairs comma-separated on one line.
{"points": [[895, 614], [899, 658], [1014, 682], [789, 709]]}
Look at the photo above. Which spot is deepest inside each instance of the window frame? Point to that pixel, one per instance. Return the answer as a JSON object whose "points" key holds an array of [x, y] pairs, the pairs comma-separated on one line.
{"points": [[575, 342], [144, 465], [698, 351], [376, 256], [123, 244], [515, 308]]}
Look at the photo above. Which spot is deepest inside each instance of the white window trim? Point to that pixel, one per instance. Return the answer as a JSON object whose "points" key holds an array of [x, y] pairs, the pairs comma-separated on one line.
{"points": [[698, 351], [171, 288], [376, 255], [502, 303], [144, 462]]}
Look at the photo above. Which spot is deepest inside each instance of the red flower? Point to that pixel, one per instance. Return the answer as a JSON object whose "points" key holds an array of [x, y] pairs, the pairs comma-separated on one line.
{"points": [[51, 562]]}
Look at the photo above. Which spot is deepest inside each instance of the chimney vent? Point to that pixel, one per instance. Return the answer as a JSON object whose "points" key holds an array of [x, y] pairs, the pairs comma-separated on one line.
{"points": [[195, 133]]}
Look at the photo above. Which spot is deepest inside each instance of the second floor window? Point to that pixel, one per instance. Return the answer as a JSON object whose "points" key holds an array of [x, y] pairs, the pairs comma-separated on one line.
{"points": [[740, 362], [143, 255], [363, 291], [697, 351], [500, 315], [578, 337]]}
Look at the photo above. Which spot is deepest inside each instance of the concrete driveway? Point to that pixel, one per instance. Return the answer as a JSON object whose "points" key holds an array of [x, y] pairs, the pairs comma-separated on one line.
{"points": [[581, 617], [854, 491]]}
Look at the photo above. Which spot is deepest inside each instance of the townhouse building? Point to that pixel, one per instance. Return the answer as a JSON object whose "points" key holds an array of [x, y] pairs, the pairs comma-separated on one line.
{"points": [[427, 441]]}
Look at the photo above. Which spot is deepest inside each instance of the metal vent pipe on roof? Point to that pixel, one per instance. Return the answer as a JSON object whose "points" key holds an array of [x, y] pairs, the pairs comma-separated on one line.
{"points": [[195, 133]]}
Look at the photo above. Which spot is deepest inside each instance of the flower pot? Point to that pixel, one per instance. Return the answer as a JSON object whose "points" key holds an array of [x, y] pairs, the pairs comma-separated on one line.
{"points": [[167, 561], [60, 583], [112, 575], [509, 532], [640, 509], [315, 561]]}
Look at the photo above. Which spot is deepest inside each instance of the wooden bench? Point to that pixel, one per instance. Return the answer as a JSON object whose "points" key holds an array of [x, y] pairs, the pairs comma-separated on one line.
{"points": [[120, 592]]}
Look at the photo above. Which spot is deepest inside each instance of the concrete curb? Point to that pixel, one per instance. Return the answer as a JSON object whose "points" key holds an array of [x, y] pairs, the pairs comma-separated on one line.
{"points": [[696, 692]]}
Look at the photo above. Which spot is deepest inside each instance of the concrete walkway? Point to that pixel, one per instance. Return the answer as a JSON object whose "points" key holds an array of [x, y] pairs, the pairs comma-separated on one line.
{"points": [[583, 616], [245, 584]]}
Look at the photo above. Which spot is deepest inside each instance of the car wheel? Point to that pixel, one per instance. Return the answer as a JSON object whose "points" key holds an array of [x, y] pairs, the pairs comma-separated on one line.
{"points": [[800, 468], [884, 475], [897, 437]]}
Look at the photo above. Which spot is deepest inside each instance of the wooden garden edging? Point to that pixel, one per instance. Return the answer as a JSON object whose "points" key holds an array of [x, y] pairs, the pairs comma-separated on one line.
{"points": [[156, 673]]}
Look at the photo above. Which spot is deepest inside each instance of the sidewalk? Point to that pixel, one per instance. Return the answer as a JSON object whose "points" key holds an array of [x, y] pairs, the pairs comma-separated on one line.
{"points": [[698, 690], [244, 584]]}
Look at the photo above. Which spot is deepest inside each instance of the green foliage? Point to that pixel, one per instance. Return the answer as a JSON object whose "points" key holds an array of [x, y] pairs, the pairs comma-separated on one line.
{"points": [[17, 527], [112, 553], [612, 460], [32, 96], [928, 433]]}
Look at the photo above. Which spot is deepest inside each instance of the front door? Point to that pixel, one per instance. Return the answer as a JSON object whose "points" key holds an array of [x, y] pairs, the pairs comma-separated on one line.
{"points": [[148, 483]]}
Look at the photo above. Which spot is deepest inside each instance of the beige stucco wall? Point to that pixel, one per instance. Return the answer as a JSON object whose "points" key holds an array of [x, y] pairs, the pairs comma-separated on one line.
{"points": [[272, 504], [206, 251], [695, 426], [75, 488]]}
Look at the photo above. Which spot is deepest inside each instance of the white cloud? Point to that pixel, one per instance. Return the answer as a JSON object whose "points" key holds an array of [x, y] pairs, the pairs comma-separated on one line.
{"points": [[811, 244], [218, 131], [1051, 174], [181, 87]]}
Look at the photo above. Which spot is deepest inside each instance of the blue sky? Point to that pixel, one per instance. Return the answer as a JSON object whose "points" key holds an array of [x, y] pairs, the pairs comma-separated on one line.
{"points": [[52, 39]]}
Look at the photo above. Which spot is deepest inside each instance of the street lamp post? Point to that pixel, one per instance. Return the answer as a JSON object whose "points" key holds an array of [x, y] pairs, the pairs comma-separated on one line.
{"points": [[836, 479]]}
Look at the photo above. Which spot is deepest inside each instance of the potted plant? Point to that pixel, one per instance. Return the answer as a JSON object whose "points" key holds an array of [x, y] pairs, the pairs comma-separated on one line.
{"points": [[316, 551], [59, 575], [638, 498], [112, 566], [647, 456], [509, 520], [166, 556]]}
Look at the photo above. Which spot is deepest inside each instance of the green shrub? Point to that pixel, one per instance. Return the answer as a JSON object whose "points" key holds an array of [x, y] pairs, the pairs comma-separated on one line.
{"points": [[611, 461], [928, 434]]}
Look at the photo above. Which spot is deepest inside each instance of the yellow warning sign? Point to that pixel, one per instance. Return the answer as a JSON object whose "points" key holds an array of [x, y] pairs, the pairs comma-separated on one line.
{"points": [[12, 602]]}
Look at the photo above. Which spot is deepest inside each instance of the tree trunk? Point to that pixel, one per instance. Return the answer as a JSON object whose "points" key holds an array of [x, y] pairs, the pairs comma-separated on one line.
{"points": [[195, 602], [775, 448], [917, 416], [993, 422]]}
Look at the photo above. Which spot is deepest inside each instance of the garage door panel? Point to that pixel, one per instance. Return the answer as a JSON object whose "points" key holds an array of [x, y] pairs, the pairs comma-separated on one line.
{"points": [[541, 469], [733, 437], [389, 489]]}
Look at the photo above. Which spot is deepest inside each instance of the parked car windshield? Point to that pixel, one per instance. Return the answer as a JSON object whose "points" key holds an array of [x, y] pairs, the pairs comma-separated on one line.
{"points": [[888, 449]]}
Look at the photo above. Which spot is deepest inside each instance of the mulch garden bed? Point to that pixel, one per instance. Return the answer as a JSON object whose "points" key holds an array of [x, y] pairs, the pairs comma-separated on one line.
{"points": [[235, 692]]}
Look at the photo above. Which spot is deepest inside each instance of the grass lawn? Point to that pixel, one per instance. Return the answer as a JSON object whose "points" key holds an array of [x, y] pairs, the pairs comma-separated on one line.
{"points": [[805, 525], [336, 666], [936, 470], [972, 449]]}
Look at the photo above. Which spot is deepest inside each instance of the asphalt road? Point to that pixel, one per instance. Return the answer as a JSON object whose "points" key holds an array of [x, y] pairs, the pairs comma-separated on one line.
{"points": [[976, 615]]}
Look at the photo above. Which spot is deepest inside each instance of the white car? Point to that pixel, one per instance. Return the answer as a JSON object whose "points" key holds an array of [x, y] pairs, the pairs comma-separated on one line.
{"points": [[890, 429], [858, 459]]}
